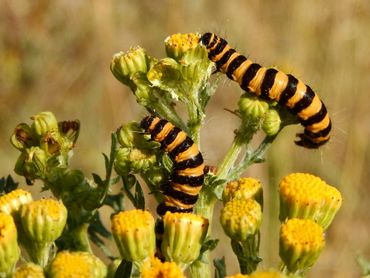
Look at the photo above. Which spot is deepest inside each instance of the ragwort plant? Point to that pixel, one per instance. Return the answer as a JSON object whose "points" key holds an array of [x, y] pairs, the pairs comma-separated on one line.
{"points": [[56, 234]]}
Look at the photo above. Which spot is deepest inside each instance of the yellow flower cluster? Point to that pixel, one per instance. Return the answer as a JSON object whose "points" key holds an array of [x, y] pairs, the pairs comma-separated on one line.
{"points": [[243, 188], [76, 264], [157, 269], [301, 242], [306, 196], [183, 236], [134, 234], [10, 203], [241, 218]]}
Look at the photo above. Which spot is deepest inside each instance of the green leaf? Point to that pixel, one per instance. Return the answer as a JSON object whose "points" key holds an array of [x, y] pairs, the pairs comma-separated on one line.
{"points": [[364, 264], [7, 184], [209, 245], [220, 267], [115, 201], [139, 197], [97, 179], [123, 270]]}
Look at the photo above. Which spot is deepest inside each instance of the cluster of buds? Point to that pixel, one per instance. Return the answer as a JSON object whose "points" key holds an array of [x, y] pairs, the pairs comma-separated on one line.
{"points": [[307, 208], [44, 139], [241, 219], [182, 76], [135, 154], [257, 113]]}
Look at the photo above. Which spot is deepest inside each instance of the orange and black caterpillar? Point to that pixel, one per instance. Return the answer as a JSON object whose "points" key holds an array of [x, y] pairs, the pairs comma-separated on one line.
{"points": [[272, 84], [181, 192]]}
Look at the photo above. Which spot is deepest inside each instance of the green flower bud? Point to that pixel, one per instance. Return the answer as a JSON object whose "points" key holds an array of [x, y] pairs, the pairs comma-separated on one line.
{"points": [[51, 142], [301, 242], [133, 160], [271, 122], [29, 270], [241, 219], [156, 175], [70, 131], [134, 234], [252, 108], [166, 75], [76, 264], [125, 65], [9, 249], [183, 236], [178, 44], [243, 189], [23, 137], [44, 122], [11, 202], [130, 135], [43, 222], [32, 163], [309, 197]]}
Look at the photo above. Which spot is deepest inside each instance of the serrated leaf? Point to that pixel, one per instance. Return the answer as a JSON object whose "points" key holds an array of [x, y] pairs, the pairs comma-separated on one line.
{"points": [[124, 270], [220, 267]]}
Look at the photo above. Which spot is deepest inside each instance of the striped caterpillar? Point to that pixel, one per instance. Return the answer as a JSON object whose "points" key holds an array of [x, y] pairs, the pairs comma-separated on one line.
{"points": [[181, 192], [272, 84]]}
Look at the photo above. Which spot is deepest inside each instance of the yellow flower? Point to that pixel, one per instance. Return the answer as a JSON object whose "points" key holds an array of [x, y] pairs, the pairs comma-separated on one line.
{"points": [[243, 188], [241, 218], [76, 264], [183, 236], [29, 270], [134, 234], [10, 203], [301, 242], [306, 196], [178, 44], [157, 269], [42, 222], [9, 250]]}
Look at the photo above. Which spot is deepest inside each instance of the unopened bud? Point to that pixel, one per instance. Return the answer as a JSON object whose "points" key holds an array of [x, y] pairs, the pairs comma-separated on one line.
{"points": [[44, 122]]}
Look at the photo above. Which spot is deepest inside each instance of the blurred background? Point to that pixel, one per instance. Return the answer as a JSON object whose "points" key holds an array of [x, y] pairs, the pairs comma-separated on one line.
{"points": [[55, 56]]}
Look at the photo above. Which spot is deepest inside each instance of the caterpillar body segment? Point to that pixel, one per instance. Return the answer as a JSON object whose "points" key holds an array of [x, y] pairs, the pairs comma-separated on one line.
{"points": [[181, 191], [272, 84]]}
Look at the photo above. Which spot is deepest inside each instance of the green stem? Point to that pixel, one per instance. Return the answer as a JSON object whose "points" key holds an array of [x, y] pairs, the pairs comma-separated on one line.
{"points": [[80, 238], [200, 269], [230, 158], [165, 110], [251, 158], [39, 252]]}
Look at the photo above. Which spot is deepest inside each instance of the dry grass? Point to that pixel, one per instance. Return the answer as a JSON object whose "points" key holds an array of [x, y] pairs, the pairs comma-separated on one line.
{"points": [[55, 56]]}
